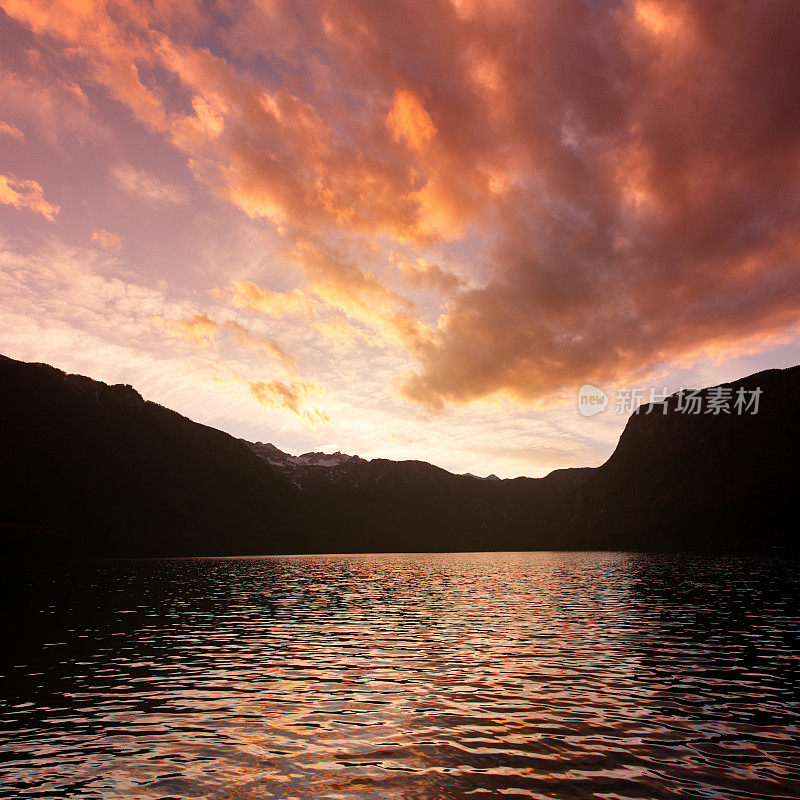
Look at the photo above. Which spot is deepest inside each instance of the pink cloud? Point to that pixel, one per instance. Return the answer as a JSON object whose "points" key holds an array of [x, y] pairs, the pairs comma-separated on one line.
{"points": [[142, 184]]}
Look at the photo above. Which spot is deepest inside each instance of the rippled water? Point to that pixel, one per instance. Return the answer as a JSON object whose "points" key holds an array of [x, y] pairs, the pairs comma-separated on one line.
{"points": [[547, 675]]}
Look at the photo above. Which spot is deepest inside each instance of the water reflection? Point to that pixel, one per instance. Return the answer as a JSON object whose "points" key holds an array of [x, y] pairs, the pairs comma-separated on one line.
{"points": [[394, 676]]}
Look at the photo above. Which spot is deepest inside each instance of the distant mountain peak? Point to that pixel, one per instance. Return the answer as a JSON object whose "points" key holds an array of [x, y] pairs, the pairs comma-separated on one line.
{"points": [[311, 467], [491, 477]]}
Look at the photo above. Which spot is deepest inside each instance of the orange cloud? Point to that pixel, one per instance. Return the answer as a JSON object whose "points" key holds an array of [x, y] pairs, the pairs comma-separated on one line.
{"points": [[199, 329], [245, 294], [342, 285], [422, 273], [259, 344], [9, 129], [268, 151], [294, 397], [202, 330], [107, 240], [409, 122], [28, 194], [634, 203], [659, 18]]}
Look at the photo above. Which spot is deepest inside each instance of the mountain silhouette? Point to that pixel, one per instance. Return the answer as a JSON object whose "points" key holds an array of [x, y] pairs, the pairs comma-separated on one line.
{"points": [[679, 480], [91, 470]]}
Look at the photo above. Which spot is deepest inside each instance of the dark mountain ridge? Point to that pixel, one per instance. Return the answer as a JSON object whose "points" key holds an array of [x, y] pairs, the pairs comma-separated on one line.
{"points": [[686, 480], [88, 469], [92, 469]]}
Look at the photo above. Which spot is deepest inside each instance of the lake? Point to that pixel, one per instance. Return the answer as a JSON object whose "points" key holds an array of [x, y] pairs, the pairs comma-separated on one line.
{"points": [[523, 675]]}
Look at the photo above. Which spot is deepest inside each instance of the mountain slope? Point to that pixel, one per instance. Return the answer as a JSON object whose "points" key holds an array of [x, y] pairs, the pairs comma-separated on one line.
{"points": [[694, 481], [91, 469]]}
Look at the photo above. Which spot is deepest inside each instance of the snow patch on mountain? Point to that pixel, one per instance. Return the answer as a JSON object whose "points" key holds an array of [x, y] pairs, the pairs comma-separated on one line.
{"points": [[273, 455], [309, 468], [321, 459]]}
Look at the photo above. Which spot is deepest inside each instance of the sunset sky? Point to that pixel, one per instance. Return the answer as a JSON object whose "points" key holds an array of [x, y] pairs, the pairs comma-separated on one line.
{"points": [[401, 229]]}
